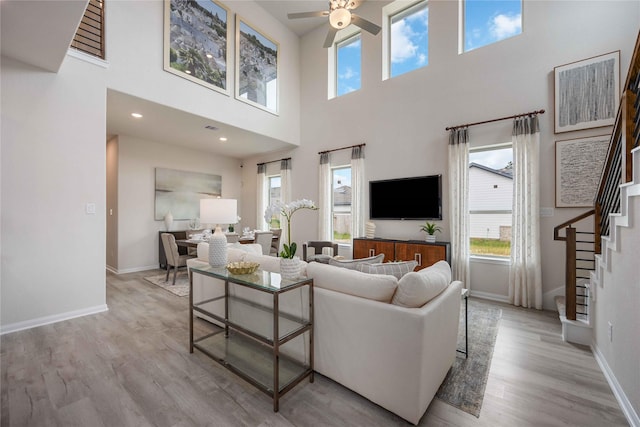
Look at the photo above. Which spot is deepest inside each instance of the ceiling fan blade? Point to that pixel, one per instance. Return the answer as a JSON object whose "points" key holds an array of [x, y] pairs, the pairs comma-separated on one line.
{"points": [[331, 35], [364, 24], [316, 14]]}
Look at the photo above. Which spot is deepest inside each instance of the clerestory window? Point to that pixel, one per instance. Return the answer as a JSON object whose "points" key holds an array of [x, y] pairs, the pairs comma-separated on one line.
{"points": [[488, 21]]}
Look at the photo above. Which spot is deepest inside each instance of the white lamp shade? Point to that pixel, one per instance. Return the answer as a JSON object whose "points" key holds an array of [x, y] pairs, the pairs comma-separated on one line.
{"points": [[218, 211]]}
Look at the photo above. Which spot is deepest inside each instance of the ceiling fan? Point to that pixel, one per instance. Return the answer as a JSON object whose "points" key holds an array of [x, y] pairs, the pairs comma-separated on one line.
{"points": [[340, 16]]}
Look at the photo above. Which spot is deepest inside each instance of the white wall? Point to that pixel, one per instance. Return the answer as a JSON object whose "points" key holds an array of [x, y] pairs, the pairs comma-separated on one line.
{"points": [[135, 53], [138, 231], [403, 119], [53, 164]]}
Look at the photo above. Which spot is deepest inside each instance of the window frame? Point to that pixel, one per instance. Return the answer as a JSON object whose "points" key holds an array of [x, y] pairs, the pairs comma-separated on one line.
{"points": [[269, 200], [332, 60], [488, 257], [389, 12]]}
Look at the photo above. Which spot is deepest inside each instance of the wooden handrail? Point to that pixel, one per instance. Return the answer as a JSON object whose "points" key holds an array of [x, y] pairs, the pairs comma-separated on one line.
{"points": [[557, 228]]}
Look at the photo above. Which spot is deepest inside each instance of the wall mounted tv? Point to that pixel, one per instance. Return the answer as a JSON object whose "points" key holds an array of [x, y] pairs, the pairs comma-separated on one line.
{"points": [[417, 198]]}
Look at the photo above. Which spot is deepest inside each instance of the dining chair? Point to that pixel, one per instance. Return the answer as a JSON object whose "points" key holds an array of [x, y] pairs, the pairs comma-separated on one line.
{"points": [[318, 246], [275, 241], [263, 238], [174, 259]]}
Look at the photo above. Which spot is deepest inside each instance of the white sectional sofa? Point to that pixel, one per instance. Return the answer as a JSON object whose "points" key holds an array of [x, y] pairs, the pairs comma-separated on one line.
{"points": [[390, 340]]}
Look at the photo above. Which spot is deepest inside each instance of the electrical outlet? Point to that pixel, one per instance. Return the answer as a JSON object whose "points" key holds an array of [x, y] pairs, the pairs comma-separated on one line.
{"points": [[610, 331]]}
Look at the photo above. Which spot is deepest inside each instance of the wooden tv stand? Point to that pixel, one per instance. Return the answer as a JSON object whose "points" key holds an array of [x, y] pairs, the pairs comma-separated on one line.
{"points": [[425, 254]]}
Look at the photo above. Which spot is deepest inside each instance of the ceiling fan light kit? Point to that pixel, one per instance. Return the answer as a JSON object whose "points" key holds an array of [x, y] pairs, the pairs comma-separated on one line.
{"points": [[340, 17]]}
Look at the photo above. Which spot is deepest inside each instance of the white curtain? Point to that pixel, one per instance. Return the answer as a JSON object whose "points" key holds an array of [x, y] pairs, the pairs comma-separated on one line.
{"points": [[525, 283], [459, 204], [285, 193], [324, 198], [262, 194], [357, 191]]}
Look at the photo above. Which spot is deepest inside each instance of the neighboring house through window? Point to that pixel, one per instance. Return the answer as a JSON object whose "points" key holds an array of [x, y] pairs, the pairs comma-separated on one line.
{"points": [[341, 204], [490, 200]]}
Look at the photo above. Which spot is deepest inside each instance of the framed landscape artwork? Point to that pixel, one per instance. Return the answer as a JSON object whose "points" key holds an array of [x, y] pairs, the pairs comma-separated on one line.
{"points": [[579, 164], [196, 41], [587, 93], [179, 192], [256, 67]]}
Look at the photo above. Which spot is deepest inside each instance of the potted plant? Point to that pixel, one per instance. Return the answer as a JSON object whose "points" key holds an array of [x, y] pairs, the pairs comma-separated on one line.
{"points": [[430, 228]]}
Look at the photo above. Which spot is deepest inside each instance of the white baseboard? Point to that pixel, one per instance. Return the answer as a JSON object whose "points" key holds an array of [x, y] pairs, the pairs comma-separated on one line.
{"points": [[46, 320], [618, 392], [490, 296], [134, 269]]}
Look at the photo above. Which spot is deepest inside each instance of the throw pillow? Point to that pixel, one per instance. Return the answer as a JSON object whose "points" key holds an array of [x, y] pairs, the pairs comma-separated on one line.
{"points": [[352, 264], [415, 289], [397, 269]]}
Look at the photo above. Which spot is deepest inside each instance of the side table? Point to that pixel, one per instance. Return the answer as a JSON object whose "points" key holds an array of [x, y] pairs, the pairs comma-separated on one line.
{"points": [[464, 294]]}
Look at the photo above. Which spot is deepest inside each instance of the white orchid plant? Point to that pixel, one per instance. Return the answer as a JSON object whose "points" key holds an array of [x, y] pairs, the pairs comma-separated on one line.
{"points": [[287, 210]]}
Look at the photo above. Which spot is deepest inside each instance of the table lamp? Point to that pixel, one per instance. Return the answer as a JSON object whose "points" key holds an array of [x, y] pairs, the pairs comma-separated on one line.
{"points": [[218, 211]]}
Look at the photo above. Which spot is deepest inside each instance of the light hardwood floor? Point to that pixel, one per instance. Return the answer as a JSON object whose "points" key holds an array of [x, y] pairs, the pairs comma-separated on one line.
{"points": [[131, 366]]}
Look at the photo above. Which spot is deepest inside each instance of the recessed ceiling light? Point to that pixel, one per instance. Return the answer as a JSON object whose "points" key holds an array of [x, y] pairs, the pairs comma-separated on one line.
{"points": [[223, 139], [187, 71], [136, 115], [209, 56]]}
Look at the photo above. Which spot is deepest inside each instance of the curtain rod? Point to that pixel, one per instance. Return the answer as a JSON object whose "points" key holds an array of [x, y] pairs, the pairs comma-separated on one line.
{"points": [[343, 148], [531, 113], [273, 161]]}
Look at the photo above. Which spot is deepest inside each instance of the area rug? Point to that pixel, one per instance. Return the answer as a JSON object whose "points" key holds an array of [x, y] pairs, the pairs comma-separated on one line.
{"points": [[465, 382], [181, 288]]}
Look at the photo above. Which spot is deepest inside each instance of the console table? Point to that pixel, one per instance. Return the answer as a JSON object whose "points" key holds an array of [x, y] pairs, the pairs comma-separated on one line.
{"points": [[251, 348], [425, 254]]}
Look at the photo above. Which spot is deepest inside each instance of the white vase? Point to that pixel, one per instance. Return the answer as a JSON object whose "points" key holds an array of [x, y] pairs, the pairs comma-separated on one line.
{"points": [[168, 220], [218, 249], [431, 238], [290, 268]]}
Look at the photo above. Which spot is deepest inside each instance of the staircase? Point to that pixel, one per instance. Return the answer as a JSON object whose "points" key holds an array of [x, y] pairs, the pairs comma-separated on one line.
{"points": [[588, 251]]}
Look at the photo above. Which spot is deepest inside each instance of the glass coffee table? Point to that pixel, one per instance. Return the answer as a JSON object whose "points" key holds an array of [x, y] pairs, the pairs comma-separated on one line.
{"points": [[255, 328]]}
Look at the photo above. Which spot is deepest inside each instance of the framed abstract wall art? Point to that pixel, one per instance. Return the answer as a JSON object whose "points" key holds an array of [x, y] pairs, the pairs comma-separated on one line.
{"points": [[196, 41], [587, 93], [179, 192], [579, 164], [256, 67]]}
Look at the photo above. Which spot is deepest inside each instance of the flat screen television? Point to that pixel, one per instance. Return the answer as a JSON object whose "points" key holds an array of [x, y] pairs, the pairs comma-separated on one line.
{"points": [[417, 198]]}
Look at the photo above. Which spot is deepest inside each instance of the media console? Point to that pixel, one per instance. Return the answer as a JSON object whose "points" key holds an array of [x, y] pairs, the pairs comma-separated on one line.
{"points": [[425, 254]]}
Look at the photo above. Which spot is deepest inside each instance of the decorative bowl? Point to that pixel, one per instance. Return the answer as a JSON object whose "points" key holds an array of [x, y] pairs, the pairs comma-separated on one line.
{"points": [[242, 267]]}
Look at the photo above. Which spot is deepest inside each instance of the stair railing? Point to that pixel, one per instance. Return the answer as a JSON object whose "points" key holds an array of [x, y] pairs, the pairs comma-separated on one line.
{"points": [[572, 250]]}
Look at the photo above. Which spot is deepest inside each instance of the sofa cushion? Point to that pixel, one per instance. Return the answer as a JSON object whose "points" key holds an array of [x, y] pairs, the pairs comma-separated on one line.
{"points": [[397, 269], [415, 289], [376, 287], [352, 264]]}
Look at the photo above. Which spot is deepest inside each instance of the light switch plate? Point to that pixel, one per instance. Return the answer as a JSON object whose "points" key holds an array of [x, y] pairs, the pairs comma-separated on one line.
{"points": [[91, 208], [546, 211]]}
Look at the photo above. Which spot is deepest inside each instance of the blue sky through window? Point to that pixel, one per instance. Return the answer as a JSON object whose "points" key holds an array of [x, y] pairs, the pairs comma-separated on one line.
{"points": [[410, 39], [349, 53], [488, 21]]}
